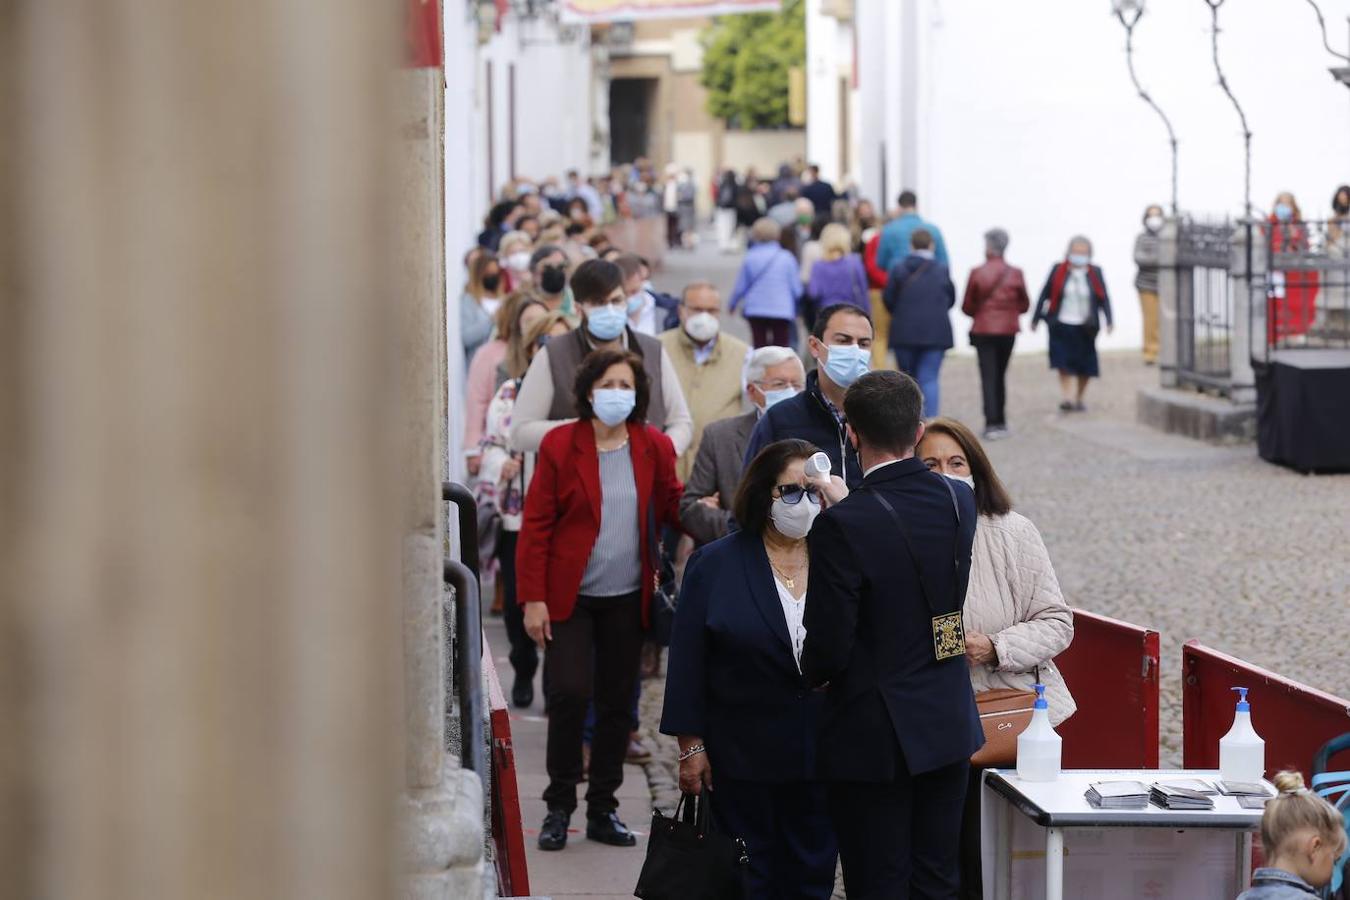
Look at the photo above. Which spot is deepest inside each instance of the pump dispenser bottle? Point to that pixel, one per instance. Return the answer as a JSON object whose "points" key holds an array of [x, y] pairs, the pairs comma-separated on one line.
{"points": [[1038, 748], [1242, 752]]}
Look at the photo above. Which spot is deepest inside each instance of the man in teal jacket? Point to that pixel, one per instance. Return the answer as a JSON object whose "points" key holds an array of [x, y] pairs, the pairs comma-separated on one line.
{"points": [[894, 244]]}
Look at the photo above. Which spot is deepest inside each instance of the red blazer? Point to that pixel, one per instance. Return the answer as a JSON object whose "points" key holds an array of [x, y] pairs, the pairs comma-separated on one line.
{"points": [[562, 513], [876, 276]]}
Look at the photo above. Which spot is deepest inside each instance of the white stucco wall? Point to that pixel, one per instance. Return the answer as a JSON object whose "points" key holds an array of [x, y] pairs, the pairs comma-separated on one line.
{"points": [[1027, 120]]}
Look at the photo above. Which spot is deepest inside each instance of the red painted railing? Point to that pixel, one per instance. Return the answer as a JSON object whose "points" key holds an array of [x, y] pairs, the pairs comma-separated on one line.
{"points": [[508, 838], [1112, 672], [1293, 719]]}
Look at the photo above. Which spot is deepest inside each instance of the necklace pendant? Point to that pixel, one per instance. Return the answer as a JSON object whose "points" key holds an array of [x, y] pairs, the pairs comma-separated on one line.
{"points": [[790, 583]]}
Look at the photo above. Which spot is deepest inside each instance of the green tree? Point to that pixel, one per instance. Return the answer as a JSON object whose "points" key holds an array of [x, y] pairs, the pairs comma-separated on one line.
{"points": [[746, 59]]}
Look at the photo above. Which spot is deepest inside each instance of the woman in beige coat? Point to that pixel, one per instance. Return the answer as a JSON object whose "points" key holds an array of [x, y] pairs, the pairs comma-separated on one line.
{"points": [[1015, 618]]}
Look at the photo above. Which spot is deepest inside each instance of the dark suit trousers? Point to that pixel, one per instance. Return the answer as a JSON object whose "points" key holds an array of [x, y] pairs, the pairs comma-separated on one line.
{"points": [[524, 653], [993, 352], [787, 835], [900, 840], [596, 652]]}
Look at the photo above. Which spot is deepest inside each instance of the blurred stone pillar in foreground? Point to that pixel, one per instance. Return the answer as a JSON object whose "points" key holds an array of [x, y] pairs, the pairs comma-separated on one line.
{"points": [[443, 807], [199, 627]]}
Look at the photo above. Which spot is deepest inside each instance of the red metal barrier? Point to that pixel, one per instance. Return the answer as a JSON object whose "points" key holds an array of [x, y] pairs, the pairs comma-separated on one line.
{"points": [[508, 838], [1293, 719], [1112, 671]]}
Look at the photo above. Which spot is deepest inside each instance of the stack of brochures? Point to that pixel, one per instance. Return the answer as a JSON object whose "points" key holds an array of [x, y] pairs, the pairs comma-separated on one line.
{"points": [[1117, 795], [1169, 796], [1242, 789]]}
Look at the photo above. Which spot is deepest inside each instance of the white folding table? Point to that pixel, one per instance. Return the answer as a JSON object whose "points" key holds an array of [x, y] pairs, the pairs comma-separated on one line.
{"points": [[1059, 805]]}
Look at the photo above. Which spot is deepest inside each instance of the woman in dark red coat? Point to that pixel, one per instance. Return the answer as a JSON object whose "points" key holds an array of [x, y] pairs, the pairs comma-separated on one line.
{"points": [[996, 297], [603, 487]]}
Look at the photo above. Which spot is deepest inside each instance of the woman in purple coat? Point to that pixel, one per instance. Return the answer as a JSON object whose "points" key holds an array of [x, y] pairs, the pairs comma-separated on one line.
{"points": [[839, 276]]}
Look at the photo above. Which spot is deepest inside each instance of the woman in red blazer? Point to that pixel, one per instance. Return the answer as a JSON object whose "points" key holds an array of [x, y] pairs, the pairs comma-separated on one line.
{"points": [[603, 486]]}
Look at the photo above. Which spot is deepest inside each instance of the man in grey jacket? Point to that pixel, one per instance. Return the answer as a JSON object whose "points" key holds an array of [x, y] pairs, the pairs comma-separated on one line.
{"points": [[545, 398], [772, 374]]}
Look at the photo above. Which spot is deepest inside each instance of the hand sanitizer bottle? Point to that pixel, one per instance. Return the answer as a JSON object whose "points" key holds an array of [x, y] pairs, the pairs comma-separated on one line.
{"points": [[1038, 748], [1242, 753]]}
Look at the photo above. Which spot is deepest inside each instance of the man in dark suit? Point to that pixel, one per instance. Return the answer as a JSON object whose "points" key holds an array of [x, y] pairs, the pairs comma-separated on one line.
{"points": [[889, 567], [773, 374]]}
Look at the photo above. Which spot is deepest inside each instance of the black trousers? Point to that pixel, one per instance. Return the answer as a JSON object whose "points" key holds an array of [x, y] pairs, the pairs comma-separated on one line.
{"points": [[524, 653], [787, 835], [899, 840], [993, 352], [593, 653]]}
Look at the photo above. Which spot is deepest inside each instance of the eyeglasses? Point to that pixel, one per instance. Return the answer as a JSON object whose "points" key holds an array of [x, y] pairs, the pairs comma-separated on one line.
{"points": [[779, 385], [792, 494]]}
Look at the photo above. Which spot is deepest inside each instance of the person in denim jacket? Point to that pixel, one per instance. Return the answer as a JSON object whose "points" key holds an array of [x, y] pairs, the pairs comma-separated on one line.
{"points": [[1302, 836]]}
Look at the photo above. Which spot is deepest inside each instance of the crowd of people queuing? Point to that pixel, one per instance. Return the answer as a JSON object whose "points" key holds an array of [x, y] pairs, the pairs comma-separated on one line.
{"points": [[609, 426], [616, 433]]}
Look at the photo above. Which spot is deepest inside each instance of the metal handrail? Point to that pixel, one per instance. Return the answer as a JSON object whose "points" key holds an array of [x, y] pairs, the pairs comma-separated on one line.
{"points": [[462, 497], [468, 662]]}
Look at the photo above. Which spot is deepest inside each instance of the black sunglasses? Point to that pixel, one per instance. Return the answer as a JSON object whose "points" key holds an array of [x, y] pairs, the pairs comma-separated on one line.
{"points": [[792, 494]]}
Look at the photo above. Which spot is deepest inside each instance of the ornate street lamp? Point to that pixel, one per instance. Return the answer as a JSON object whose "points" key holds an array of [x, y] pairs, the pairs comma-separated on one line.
{"points": [[1129, 13], [1242, 116]]}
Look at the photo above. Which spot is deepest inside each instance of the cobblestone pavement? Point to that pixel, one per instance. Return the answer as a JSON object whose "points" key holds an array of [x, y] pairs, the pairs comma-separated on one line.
{"points": [[1195, 541]]}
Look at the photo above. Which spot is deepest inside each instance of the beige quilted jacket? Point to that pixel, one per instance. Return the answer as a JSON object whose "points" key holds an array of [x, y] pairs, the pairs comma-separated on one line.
{"points": [[1014, 598]]}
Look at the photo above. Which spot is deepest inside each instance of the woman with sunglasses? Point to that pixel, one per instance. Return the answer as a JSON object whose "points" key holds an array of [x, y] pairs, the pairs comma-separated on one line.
{"points": [[735, 698]]}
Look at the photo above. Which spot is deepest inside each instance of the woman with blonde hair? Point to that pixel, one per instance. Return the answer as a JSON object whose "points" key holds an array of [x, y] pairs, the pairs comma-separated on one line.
{"points": [[480, 302], [514, 253], [839, 276], [1302, 837], [504, 475]]}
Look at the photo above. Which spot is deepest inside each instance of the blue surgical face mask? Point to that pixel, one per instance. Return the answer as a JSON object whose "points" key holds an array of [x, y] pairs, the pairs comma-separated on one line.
{"points": [[635, 302], [606, 322], [1079, 259], [847, 363], [1284, 212], [778, 396], [613, 405]]}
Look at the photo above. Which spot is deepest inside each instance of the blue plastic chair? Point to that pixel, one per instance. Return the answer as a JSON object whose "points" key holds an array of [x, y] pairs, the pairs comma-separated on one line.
{"points": [[1334, 787]]}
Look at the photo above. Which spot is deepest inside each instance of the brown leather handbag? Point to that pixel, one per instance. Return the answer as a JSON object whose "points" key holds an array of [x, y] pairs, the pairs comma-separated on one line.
{"points": [[1004, 714]]}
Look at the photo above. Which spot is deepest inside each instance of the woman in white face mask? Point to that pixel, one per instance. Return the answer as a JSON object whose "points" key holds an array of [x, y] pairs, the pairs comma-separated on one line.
{"points": [[734, 694], [514, 254], [1015, 618]]}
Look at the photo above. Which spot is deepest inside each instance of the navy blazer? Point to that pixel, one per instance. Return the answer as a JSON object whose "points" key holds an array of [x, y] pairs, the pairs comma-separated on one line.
{"points": [[869, 631], [731, 677]]}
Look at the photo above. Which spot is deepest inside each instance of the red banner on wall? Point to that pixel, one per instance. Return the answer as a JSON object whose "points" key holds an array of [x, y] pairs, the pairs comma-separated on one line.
{"points": [[422, 34], [601, 11]]}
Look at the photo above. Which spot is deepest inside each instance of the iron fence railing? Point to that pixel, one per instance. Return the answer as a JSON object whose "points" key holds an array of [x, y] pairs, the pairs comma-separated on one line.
{"points": [[1205, 307], [464, 642], [1306, 290]]}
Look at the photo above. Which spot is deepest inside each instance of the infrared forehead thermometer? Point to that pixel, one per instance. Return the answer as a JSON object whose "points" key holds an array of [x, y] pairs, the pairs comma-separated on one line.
{"points": [[817, 464]]}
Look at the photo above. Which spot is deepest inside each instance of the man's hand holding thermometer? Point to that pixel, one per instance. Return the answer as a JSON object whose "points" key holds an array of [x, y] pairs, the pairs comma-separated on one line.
{"points": [[832, 487]]}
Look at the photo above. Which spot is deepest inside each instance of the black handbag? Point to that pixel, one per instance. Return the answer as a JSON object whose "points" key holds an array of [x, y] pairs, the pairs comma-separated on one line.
{"points": [[688, 860]]}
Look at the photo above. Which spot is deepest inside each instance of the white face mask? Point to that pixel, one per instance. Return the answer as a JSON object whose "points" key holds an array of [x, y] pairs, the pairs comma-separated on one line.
{"points": [[702, 327], [794, 520], [968, 480], [520, 261]]}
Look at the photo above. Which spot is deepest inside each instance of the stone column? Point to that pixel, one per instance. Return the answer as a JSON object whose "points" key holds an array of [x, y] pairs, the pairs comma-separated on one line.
{"points": [[443, 806], [199, 634], [1248, 337], [1168, 293]]}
